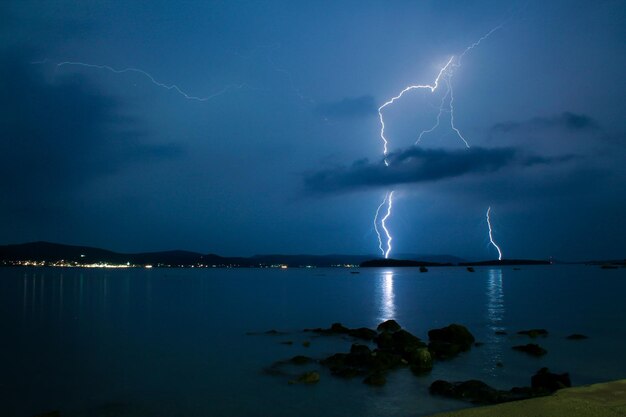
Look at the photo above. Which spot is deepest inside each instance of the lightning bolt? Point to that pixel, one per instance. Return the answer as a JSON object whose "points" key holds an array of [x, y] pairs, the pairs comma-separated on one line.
{"points": [[147, 75], [384, 225], [445, 74], [491, 235], [380, 241], [431, 87]]}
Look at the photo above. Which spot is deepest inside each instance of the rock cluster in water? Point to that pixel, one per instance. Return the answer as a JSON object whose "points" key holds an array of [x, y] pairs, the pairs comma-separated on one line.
{"points": [[375, 353], [542, 383]]}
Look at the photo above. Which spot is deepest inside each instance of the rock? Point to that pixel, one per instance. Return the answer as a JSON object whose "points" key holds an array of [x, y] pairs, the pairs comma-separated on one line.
{"points": [[474, 391], [533, 333], [478, 392], [421, 361], [531, 349], [385, 360], [444, 350], [300, 360], [388, 326], [544, 380], [455, 334], [338, 328], [335, 328], [405, 342], [348, 365], [306, 343], [400, 342], [577, 336], [500, 333], [423, 269], [357, 350], [363, 333], [335, 362], [309, 378], [375, 379], [470, 269]]}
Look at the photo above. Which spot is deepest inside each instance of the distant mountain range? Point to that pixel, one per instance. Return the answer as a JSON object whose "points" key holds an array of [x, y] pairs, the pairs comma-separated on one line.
{"points": [[54, 253], [59, 254]]}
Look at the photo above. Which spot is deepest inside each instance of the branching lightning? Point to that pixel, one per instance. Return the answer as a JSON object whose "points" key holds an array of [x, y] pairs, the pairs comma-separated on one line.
{"points": [[172, 87], [491, 235], [432, 88], [445, 77]]}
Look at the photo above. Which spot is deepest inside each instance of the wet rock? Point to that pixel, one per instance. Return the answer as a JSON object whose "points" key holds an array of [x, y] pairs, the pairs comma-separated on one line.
{"points": [[338, 328], [533, 333], [311, 377], [375, 379], [359, 356], [577, 336], [454, 333], [478, 392], [544, 380], [423, 269], [334, 329], [500, 333], [272, 332], [300, 360], [385, 360], [474, 391], [443, 350], [388, 326], [532, 349], [470, 269], [335, 362], [421, 361], [363, 333], [400, 342]]}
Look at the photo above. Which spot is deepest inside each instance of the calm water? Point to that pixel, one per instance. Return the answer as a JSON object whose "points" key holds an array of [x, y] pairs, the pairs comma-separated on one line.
{"points": [[173, 342]]}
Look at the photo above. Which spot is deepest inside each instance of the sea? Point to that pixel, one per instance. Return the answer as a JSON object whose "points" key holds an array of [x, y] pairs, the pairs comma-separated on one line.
{"points": [[202, 342]]}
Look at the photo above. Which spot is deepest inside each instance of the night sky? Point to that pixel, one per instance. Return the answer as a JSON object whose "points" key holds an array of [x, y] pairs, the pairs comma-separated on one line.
{"points": [[284, 155]]}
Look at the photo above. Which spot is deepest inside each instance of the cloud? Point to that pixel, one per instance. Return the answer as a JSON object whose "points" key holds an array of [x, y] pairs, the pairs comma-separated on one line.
{"points": [[348, 108], [565, 121], [55, 137], [417, 165]]}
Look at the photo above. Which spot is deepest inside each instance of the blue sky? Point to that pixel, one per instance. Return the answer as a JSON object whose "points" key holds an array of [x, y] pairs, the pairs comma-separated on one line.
{"points": [[94, 157]]}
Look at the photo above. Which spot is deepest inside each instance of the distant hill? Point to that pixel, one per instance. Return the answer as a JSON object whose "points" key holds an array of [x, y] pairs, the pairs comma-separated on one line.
{"points": [[55, 252]]}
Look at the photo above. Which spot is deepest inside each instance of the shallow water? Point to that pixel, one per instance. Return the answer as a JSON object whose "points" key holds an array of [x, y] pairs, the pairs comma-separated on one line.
{"points": [[172, 342]]}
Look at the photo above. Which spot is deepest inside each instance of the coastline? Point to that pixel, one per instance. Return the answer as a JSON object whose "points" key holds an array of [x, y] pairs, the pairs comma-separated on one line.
{"points": [[604, 399]]}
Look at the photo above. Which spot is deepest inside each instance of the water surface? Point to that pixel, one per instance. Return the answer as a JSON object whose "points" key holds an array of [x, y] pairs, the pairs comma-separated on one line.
{"points": [[172, 342]]}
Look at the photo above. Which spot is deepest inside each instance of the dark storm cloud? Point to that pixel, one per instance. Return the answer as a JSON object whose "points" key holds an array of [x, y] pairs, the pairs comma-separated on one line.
{"points": [[348, 108], [565, 121], [57, 136], [417, 165]]}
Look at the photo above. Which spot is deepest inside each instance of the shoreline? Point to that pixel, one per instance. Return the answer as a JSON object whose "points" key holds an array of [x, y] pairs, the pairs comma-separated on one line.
{"points": [[603, 399]]}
